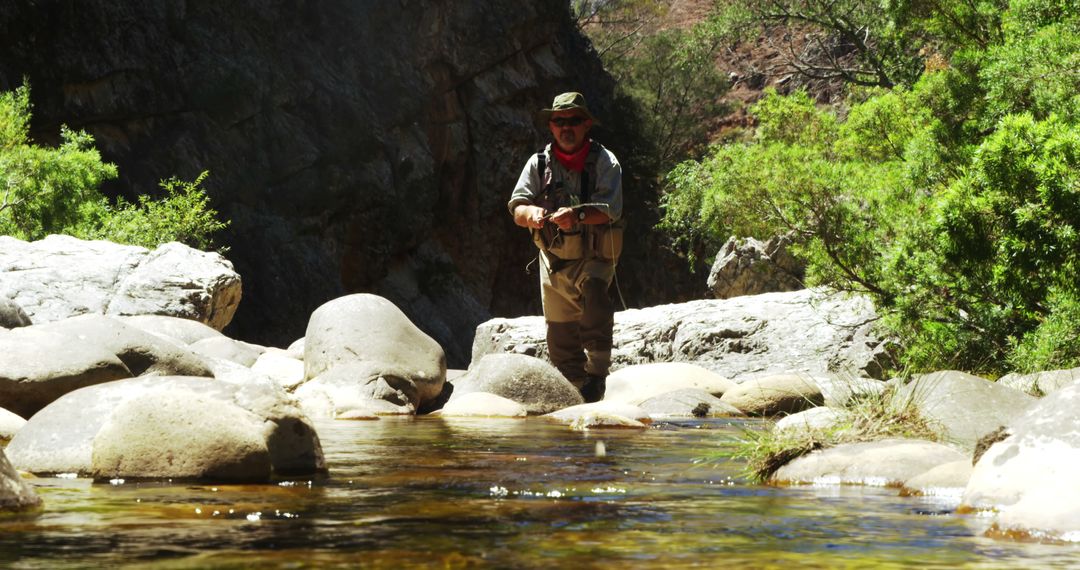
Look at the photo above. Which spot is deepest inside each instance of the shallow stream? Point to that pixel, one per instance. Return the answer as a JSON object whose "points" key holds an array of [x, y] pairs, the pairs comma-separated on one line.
{"points": [[426, 492]]}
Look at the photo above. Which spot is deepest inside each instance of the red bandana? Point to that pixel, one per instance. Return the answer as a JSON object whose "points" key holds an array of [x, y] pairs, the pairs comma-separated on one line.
{"points": [[574, 161]]}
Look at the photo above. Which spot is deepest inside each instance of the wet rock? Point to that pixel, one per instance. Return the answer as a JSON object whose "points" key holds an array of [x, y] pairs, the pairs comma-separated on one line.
{"points": [[240, 352], [749, 267], [11, 315], [814, 419], [1041, 383], [278, 365], [483, 404], [10, 424], [184, 331], [777, 394], [635, 384], [687, 403], [61, 276], [16, 495], [1029, 477], [602, 420], [37, 367], [370, 330], [358, 390], [966, 407], [60, 438], [810, 332], [594, 414], [524, 379], [142, 352], [888, 462], [945, 480], [179, 434]]}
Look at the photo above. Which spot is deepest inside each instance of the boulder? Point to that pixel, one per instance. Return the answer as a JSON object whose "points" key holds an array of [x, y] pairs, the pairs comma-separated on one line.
{"points": [[369, 329], [1041, 383], [687, 403], [812, 332], [839, 391], [61, 276], [358, 390], [11, 315], [184, 331], [143, 353], [10, 424], [602, 415], [296, 349], [749, 267], [179, 434], [888, 462], [523, 379], [240, 352], [278, 365], [946, 480], [61, 437], [38, 366], [16, 495], [1030, 477], [637, 383], [966, 407], [814, 419], [483, 404], [777, 394]]}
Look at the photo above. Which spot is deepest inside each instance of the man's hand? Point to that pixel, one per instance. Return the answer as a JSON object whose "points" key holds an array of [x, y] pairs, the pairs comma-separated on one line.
{"points": [[528, 216], [565, 218]]}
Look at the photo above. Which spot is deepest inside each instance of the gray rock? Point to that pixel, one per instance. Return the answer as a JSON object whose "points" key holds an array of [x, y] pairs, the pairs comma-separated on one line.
{"points": [[37, 367], [240, 352], [178, 434], [1029, 478], [839, 391], [483, 404], [810, 332], [143, 353], [11, 315], [60, 438], [16, 495], [887, 462], [966, 407], [777, 394], [814, 419], [749, 267], [61, 276], [359, 390], [523, 379], [946, 480], [369, 329], [602, 415], [278, 365], [687, 403], [1041, 383], [184, 331], [10, 424], [637, 383]]}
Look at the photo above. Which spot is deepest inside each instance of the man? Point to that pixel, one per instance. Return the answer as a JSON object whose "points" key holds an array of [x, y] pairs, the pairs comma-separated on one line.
{"points": [[570, 196]]}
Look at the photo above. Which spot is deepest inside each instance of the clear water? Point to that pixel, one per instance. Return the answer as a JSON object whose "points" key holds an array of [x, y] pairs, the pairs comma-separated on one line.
{"points": [[426, 492]]}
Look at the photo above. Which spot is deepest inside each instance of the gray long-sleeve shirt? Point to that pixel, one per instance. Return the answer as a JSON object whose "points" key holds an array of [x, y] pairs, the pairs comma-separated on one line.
{"points": [[608, 183]]}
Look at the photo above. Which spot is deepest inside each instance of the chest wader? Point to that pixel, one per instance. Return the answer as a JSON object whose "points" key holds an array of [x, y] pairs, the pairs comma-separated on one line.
{"points": [[577, 267]]}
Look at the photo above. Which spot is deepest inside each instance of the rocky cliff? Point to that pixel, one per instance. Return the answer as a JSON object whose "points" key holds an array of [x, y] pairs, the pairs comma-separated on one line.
{"points": [[357, 146]]}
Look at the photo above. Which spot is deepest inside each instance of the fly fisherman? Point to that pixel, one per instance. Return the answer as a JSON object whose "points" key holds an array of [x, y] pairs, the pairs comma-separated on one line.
{"points": [[570, 196]]}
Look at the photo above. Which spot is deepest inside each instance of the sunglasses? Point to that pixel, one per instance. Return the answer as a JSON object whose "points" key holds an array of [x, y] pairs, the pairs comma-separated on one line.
{"points": [[568, 121]]}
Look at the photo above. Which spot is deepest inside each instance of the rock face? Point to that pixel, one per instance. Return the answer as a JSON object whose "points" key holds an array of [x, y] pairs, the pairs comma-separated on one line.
{"points": [[15, 494], [806, 331], [523, 379], [966, 406], [356, 146], [60, 277], [62, 438], [11, 315], [749, 267], [1029, 477]]}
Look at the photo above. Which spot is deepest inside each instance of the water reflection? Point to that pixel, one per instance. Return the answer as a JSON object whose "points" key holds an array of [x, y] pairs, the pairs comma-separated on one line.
{"points": [[467, 492]]}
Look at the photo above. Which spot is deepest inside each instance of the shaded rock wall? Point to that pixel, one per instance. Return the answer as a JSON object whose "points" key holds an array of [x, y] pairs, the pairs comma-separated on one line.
{"points": [[357, 146]]}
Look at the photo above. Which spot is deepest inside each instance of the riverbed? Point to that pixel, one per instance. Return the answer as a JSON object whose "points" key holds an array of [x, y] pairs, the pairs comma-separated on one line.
{"points": [[513, 493]]}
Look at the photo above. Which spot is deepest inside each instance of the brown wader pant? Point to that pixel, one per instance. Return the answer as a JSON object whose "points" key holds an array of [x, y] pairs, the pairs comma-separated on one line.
{"points": [[579, 314]]}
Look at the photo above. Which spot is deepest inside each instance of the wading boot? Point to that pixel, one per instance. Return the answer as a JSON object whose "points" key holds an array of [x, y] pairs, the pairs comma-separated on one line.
{"points": [[594, 388]]}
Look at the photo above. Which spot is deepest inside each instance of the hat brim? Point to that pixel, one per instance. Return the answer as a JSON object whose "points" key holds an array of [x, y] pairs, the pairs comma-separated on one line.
{"points": [[545, 114]]}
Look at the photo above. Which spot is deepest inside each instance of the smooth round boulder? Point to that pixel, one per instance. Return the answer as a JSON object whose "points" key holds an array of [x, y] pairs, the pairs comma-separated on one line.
{"points": [[12, 315], [814, 419], [178, 434], [532, 382], [16, 495], [688, 403], [598, 414], [186, 331], [60, 438], [240, 352], [358, 390], [964, 406], [483, 404], [281, 367], [635, 384], [776, 394], [885, 463], [10, 424], [947, 480], [370, 329], [38, 366]]}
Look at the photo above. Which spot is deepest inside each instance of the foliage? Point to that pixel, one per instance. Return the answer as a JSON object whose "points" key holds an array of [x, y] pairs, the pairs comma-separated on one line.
{"points": [[953, 201], [57, 190]]}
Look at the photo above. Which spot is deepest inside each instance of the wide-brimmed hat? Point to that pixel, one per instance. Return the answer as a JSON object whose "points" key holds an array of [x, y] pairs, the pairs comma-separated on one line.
{"points": [[570, 101]]}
